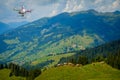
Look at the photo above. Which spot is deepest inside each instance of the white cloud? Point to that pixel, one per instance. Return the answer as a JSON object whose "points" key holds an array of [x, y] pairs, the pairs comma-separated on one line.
{"points": [[67, 6], [98, 1], [116, 4], [55, 9], [73, 5], [54, 12], [109, 7]]}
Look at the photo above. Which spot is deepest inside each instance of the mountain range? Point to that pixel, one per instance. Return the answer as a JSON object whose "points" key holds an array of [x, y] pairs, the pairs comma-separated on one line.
{"points": [[65, 32]]}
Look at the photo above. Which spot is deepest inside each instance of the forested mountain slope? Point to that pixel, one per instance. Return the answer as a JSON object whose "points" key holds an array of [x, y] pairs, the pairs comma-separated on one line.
{"points": [[59, 34]]}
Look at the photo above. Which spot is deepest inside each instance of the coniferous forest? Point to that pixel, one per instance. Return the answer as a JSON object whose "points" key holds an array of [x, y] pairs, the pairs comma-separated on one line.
{"points": [[17, 70]]}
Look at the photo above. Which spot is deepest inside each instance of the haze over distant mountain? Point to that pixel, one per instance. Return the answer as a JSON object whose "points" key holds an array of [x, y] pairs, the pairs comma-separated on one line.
{"points": [[59, 34], [3, 27], [17, 24]]}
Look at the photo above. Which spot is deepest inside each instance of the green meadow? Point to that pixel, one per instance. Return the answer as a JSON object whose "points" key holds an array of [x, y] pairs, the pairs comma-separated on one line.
{"points": [[96, 71], [4, 75]]}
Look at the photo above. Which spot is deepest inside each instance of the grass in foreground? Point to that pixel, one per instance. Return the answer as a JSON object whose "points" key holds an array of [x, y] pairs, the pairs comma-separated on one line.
{"points": [[96, 71], [4, 75]]}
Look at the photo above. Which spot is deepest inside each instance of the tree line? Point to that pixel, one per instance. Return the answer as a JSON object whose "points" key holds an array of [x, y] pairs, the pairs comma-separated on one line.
{"points": [[20, 71], [109, 53]]}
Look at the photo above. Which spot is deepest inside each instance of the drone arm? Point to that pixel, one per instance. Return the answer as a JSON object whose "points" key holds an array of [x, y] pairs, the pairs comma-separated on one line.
{"points": [[29, 11], [16, 9]]}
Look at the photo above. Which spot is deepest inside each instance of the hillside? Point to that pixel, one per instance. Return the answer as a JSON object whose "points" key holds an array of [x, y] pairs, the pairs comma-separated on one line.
{"points": [[63, 33], [98, 71], [103, 51], [47, 61]]}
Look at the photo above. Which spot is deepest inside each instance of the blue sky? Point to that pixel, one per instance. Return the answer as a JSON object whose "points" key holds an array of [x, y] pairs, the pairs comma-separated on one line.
{"points": [[48, 8]]}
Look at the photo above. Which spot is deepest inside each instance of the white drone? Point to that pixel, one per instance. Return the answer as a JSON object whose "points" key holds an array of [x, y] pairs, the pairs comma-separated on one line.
{"points": [[22, 11]]}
